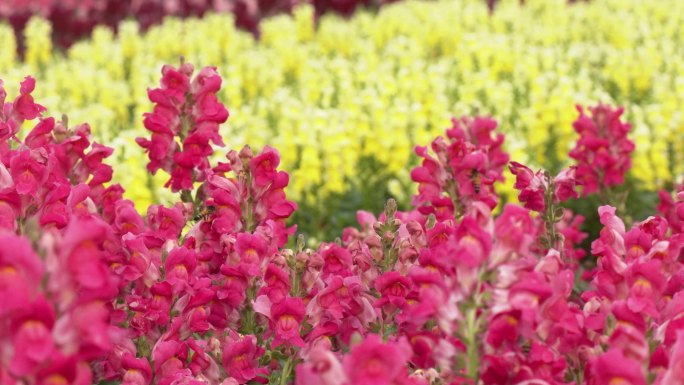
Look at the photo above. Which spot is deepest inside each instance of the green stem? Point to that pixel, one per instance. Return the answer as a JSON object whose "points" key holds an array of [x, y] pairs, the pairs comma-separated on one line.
{"points": [[249, 325], [387, 233], [555, 240], [472, 328], [579, 375], [389, 261], [249, 218], [472, 349], [285, 375], [455, 198], [296, 283]]}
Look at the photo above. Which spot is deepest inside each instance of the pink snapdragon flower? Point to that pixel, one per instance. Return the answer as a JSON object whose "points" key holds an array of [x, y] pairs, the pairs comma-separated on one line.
{"points": [[287, 316], [32, 340], [251, 250], [137, 370], [613, 368], [321, 367], [393, 288], [374, 362], [29, 171], [24, 106], [179, 267], [240, 358], [21, 271], [674, 375], [533, 186]]}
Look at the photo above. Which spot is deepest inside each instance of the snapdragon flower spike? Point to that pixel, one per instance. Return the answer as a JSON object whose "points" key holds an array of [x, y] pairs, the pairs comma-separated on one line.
{"points": [[200, 282], [467, 163], [603, 150], [186, 111]]}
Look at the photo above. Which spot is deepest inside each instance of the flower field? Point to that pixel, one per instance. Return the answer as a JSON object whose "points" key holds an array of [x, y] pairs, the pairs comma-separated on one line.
{"points": [[431, 194]]}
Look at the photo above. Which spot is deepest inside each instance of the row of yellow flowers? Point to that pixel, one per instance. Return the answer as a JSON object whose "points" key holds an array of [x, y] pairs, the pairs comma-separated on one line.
{"points": [[327, 95]]}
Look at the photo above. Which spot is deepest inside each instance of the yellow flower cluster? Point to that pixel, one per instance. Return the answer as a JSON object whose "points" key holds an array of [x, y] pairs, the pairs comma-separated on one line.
{"points": [[328, 95]]}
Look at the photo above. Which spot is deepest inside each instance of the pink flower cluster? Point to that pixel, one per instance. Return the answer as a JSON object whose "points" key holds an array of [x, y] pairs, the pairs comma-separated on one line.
{"points": [[206, 291], [190, 112], [56, 287], [603, 149], [467, 164]]}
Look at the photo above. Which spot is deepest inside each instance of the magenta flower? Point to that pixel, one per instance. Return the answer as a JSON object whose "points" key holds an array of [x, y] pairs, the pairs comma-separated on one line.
{"points": [[179, 266], [672, 209], [241, 357], [168, 222], [393, 288], [373, 362], [565, 184], [647, 283], [169, 358], [277, 282], [503, 329], [674, 375], [337, 260], [21, 271], [321, 367], [613, 368], [32, 337], [251, 249], [29, 171], [264, 167], [137, 370], [286, 318]]}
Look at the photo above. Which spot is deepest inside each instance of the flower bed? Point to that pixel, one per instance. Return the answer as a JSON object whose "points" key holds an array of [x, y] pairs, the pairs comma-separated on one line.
{"points": [[205, 291]]}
